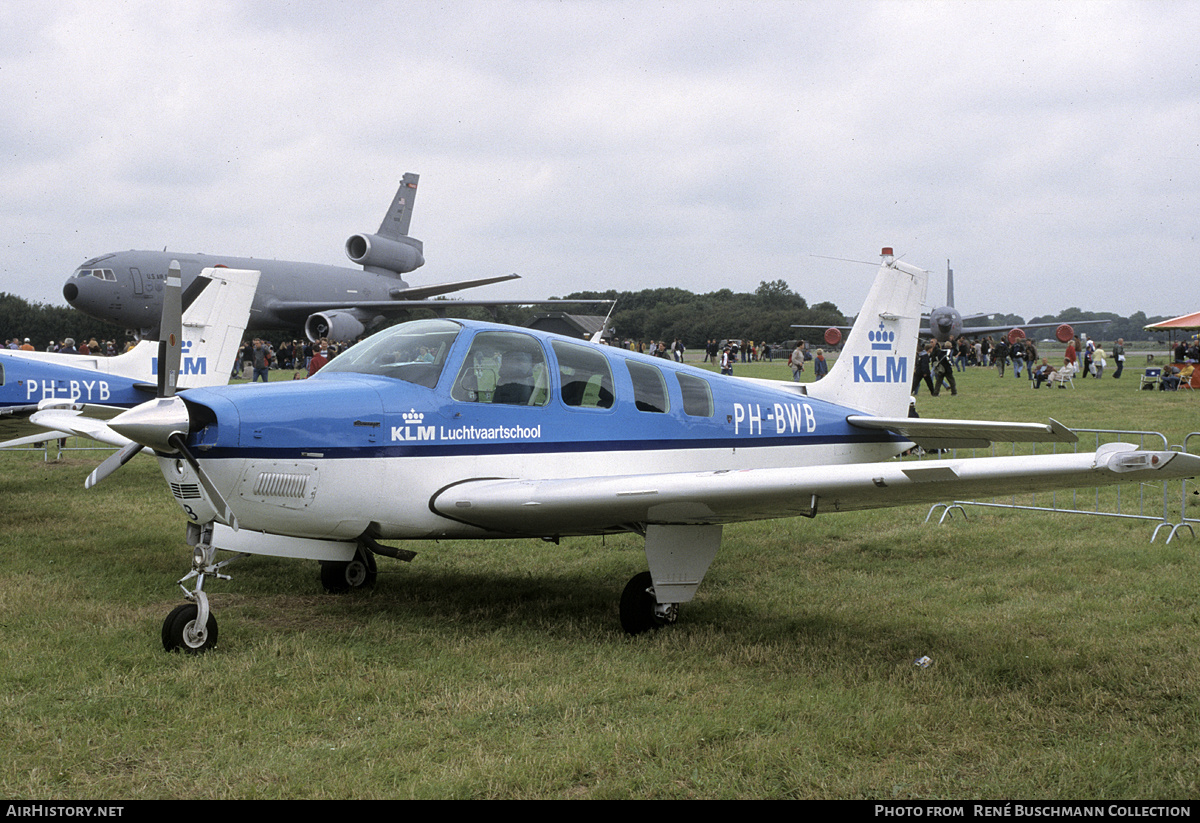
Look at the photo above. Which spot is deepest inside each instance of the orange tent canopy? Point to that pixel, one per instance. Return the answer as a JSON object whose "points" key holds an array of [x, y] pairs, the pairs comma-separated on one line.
{"points": [[1185, 323]]}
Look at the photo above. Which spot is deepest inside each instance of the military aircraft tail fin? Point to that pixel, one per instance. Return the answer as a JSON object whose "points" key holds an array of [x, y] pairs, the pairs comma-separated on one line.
{"points": [[399, 214], [874, 372]]}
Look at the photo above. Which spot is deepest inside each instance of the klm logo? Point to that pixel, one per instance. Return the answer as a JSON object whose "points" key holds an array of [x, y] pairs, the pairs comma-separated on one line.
{"points": [[884, 367], [412, 428], [187, 365]]}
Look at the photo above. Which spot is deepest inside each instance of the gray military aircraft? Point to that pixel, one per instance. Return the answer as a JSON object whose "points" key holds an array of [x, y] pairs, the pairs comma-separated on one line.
{"points": [[339, 303]]}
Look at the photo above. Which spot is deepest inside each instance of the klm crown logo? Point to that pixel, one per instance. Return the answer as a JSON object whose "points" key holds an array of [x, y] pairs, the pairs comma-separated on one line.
{"points": [[413, 428], [880, 368]]}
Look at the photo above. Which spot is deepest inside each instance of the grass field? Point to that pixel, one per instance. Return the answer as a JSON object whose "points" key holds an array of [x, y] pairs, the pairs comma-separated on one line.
{"points": [[1064, 653]]}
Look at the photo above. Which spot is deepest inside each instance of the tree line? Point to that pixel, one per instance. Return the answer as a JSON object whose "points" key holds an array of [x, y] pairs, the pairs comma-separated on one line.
{"points": [[767, 314], [42, 323]]}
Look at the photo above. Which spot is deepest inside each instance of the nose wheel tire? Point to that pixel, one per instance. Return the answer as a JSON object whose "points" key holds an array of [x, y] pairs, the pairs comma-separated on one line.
{"points": [[181, 633]]}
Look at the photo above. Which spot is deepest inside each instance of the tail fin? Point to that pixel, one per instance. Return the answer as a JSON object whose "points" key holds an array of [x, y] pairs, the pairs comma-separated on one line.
{"points": [[874, 372], [214, 325], [399, 214]]}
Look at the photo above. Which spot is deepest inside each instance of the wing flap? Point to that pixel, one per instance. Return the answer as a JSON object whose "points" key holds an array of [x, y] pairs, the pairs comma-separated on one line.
{"points": [[588, 504], [932, 433]]}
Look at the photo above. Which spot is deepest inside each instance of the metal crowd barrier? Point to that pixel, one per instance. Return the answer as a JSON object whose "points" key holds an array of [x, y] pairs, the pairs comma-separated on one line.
{"points": [[1149, 501]]}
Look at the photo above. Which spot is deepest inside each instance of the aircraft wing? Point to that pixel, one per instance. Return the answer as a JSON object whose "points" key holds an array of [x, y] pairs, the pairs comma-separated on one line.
{"points": [[287, 307], [588, 504], [971, 331], [61, 422], [931, 433], [423, 292]]}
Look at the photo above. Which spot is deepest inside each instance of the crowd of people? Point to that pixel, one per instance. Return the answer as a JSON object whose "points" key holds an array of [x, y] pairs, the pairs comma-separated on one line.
{"points": [[107, 348], [258, 357]]}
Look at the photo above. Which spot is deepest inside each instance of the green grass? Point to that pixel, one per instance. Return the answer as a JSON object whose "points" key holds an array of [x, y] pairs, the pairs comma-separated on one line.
{"points": [[1063, 647]]}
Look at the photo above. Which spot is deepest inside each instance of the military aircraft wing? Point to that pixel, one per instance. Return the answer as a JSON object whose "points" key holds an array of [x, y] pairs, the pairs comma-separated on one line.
{"points": [[422, 292], [569, 506], [282, 307], [930, 433]]}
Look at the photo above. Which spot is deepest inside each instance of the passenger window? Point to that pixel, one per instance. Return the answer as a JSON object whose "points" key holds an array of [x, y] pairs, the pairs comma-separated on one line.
{"points": [[503, 367], [649, 387], [697, 396], [586, 378]]}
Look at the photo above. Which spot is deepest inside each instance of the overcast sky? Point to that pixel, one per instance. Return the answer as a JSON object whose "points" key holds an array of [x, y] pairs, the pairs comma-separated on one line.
{"points": [[1049, 150]]}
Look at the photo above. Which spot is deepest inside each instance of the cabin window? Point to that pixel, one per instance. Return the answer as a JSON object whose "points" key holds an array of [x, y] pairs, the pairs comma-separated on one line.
{"points": [[413, 352], [587, 380], [697, 396], [649, 387], [503, 367]]}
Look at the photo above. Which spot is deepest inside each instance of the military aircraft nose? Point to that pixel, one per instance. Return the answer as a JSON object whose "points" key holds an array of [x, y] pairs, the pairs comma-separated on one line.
{"points": [[71, 292]]}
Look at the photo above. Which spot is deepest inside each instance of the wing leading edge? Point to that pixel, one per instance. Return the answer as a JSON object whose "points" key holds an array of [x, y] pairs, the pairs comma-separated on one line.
{"points": [[591, 504]]}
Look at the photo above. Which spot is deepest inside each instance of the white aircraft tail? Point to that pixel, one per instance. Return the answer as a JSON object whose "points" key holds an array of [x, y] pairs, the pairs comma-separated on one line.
{"points": [[213, 326], [874, 372]]}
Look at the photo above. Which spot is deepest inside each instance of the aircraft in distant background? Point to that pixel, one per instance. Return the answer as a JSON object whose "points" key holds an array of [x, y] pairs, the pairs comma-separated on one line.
{"points": [[40, 390], [455, 429], [946, 323], [338, 303]]}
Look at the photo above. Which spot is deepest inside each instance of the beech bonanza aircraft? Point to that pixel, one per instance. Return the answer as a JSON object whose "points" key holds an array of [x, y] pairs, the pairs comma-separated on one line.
{"points": [[443, 428], [325, 301], [946, 323], [38, 390]]}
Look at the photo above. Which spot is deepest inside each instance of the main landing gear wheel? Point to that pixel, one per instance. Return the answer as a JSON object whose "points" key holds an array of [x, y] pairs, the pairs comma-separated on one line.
{"points": [[640, 609], [342, 577], [181, 633]]}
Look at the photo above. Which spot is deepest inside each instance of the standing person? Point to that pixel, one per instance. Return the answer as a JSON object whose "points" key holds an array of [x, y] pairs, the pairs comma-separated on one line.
{"points": [[820, 367], [1031, 354], [1000, 355], [1017, 352], [1098, 361], [1119, 355], [319, 358], [262, 361], [943, 368], [727, 358], [796, 363], [922, 371]]}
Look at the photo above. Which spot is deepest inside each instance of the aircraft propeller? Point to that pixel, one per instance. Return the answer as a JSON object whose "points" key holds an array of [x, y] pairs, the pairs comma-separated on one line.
{"points": [[163, 424]]}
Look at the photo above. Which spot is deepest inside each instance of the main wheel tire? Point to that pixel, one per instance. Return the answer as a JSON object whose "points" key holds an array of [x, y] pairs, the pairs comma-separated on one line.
{"points": [[359, 573], [638, 604], [180, 633]]}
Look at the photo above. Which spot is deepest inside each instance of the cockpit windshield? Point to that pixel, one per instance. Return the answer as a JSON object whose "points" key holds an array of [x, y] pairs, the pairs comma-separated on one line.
{"points": [[414, 352]]}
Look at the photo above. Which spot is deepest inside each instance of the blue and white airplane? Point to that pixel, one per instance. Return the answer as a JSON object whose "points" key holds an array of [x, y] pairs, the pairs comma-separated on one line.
{"points": [[449, 429], [43, 391]]}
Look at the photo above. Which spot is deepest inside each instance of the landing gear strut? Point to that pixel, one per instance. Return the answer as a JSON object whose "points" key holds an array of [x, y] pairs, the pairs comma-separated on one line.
{"points": [[191, 627], [640, 609]]}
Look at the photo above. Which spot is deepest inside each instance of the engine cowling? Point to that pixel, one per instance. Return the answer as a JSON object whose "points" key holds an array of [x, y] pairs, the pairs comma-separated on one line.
{"points": [[374, 252], [337, 326]]}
